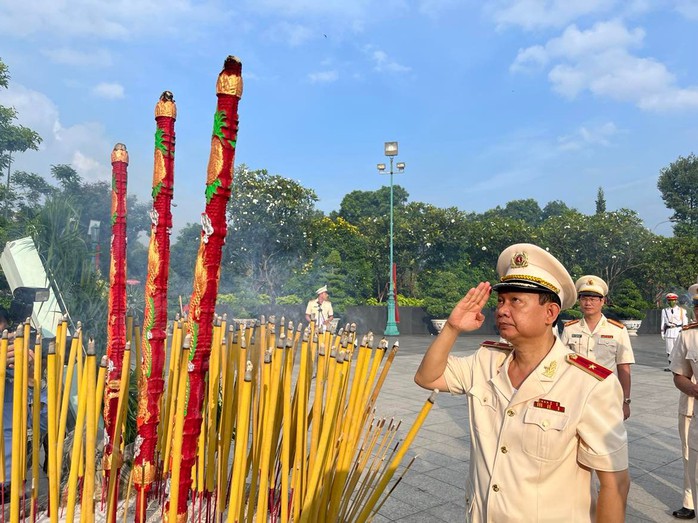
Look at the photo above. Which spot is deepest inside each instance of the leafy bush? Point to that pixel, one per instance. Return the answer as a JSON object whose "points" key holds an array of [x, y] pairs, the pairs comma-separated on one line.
{"points": [[290, 299], [402, 301], [627, 302]]}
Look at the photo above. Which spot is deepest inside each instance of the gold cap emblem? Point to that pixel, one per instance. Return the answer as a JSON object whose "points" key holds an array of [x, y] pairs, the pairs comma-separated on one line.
{"points": [[519, 260]]}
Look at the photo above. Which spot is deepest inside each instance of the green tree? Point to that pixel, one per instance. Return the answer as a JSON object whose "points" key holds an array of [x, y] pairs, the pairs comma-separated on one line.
{"points": [[68, 261], [626, 302], [340, 261], [528, 211], [670, 263], [610, 245], [554, 208], [270, 230], [678, 184], [13, 138], [600, 201], [426, 236], [359, 205]]}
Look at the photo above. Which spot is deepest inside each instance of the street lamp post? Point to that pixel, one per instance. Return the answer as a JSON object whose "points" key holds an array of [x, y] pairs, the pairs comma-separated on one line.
{"points": [[391, 152], [93, 231]]}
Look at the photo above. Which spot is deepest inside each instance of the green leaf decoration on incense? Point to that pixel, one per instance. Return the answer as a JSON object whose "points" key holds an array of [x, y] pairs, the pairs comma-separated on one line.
{"points": [[159, 143], [218, 124], [113, 218], [113, 184], [194, 339], [233, 143], [211, 189], [157, 189]]}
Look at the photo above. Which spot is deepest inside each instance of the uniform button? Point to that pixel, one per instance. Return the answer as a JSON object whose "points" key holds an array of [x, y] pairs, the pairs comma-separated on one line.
{"points": [[495, 487], [504, 450], [545, 423], [510, 412]]}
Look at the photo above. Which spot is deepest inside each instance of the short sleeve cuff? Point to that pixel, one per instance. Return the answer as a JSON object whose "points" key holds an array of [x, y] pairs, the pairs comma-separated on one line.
{"points": [[614, 462], [679, 366], [454, 384]]}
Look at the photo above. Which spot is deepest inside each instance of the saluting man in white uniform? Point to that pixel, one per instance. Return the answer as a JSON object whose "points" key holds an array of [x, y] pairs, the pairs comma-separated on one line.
{"points": [[541, 416], [598, 338]]}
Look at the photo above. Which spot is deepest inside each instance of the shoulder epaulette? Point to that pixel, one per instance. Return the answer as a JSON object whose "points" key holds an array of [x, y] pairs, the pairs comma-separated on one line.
{"points": [[616, 323], [571, 322], [692, 325], [497, 345], [591, 367]]}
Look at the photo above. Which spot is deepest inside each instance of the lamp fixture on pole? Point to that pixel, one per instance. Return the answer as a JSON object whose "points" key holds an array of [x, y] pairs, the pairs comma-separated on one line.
{"points": [[391, 152]]}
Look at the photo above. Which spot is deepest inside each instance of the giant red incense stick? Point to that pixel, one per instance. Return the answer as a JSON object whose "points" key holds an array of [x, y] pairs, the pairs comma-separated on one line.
{"points": [[207, 270], [116, 324], [155, 317]]}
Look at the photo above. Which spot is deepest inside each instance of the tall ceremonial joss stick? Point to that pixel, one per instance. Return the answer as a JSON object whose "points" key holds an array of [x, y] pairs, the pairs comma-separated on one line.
{"points": [[152, 362], [207, 270], [116, 324]]}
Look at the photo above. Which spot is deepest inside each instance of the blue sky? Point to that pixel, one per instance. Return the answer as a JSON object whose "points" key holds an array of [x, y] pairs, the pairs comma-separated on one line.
{"points": [[490, 100]]}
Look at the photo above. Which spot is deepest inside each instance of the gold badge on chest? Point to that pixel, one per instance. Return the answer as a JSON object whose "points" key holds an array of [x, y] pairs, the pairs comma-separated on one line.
{"points": [[549, 370]]}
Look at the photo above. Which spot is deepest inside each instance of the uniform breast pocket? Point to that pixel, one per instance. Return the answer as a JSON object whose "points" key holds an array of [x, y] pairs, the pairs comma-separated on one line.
{"points": [[608, 343], [573, 343], [692, 354], [483, 403], [545, 434]]}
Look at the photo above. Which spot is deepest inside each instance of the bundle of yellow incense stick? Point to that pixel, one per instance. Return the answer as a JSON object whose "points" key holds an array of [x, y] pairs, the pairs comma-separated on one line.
{"points": [[289, 431]]}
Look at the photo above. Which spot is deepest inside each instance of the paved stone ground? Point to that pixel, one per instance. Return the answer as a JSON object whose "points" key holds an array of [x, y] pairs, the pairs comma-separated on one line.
{"points": [[433, 489]]}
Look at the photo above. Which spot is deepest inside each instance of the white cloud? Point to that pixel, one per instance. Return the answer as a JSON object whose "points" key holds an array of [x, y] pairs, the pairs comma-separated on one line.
{"points": [[110, 91], [575, 44], [538, 14], [79, 58], [340, 8], [599, 60], [119, 19], [588, 136], [382, 62], [80, 145], [323, 77]]}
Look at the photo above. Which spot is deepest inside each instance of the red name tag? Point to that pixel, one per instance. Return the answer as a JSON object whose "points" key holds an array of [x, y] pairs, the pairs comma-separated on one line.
{"points": [[549, 405], [607, 336]]}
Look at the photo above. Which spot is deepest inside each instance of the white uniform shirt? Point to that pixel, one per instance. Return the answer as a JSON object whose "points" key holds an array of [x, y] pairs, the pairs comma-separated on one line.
{"points": [[684, 361], [686, 404], [321, 312], [530, 449], [673, 318], [608, 344]]}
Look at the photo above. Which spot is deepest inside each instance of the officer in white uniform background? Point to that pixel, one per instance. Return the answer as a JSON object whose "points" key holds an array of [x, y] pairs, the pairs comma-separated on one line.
{"points": [[673, 318], [687, 510], [320, 309], [541, 416], [598, 338]]}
